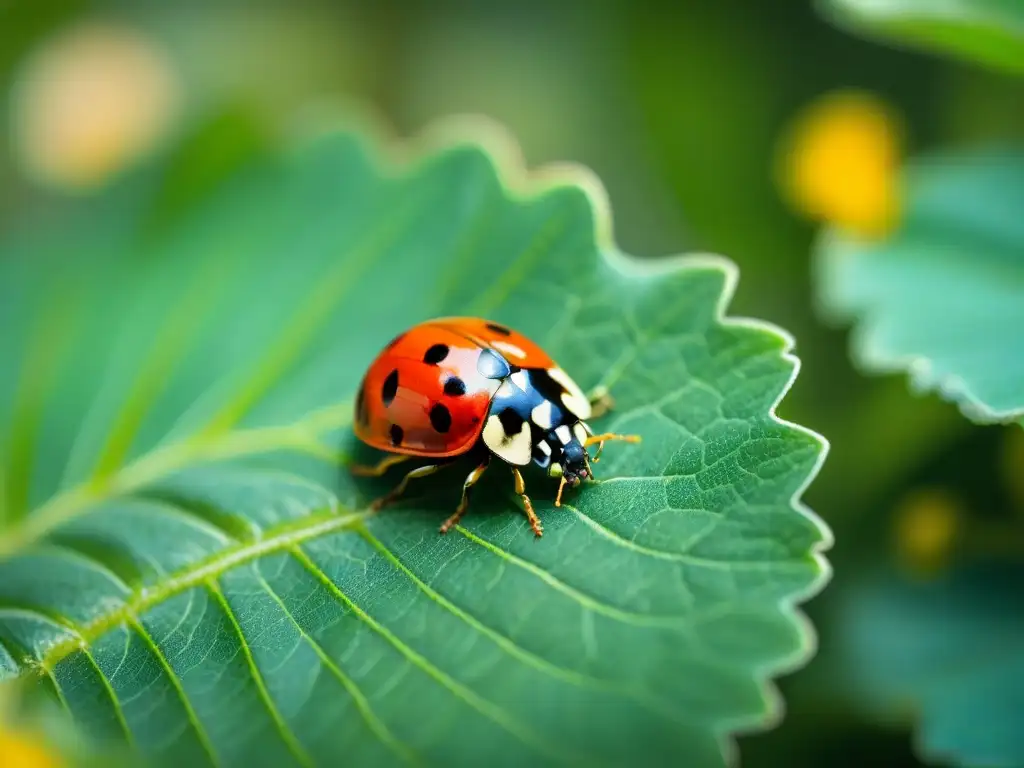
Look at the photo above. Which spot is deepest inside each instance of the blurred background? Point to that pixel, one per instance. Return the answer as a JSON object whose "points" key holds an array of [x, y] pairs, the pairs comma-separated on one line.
{"points": [[681, 109]]}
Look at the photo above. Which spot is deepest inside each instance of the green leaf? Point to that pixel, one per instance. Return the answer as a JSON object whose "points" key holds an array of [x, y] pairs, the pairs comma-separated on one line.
{"points": [[986, 32], [942, 297], [187, 562], [947, 653]]}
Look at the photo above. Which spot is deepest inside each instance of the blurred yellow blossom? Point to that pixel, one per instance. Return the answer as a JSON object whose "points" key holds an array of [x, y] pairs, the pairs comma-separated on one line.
{"points": [[839, 163], [25, 750], [90, 101], [926, 526]]}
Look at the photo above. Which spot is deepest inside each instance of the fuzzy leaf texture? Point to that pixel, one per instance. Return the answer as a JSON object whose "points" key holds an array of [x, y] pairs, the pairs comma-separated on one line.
{"points": [[186, 562], [942, 297], [985, 32]]}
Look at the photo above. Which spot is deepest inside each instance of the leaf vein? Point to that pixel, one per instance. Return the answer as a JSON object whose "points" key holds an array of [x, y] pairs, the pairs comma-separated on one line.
{"points": [[156, 464], [61, 551], [108, 686], [196, 573], [507, 644], [380, 730], [328, 293], [174, 337], [176, 683], [679, 557], [37, 614], [287, 735], [502, 287], [168, 507], [584, 600], [468, 696]]}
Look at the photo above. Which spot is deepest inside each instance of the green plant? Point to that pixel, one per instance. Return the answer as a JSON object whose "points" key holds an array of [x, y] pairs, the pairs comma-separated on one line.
{"points": [[988, 32], [186, 565], [941, 297]]}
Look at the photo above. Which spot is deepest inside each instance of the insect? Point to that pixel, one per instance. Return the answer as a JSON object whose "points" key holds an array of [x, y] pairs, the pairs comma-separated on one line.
{"points": [[463, 386]]}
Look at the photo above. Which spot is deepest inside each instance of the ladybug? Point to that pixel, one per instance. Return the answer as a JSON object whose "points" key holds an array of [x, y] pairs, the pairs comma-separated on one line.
{"points": [[464, 386]]}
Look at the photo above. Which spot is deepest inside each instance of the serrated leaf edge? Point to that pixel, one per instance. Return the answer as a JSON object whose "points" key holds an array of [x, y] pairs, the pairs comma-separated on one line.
{"points": [[397, 155], [521, 182], [831, 246]]}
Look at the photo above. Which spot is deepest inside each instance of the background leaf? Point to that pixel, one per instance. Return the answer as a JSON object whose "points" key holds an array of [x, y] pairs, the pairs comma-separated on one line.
{"points": [[942, 296], [948, 653], [988, 32], [186, 562]]}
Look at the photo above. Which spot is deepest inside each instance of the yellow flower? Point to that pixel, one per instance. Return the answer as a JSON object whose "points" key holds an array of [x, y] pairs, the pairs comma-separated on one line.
{"points": [[926, 526], [23, 750], [839, 163], [89, 102]]}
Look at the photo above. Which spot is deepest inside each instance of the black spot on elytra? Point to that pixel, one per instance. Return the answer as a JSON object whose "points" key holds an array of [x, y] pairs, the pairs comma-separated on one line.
{"points": [[454, 386], [436, 354], [440, 418], [397, 433], [390, 388], [491, 365], [499, 329], [511, 421]]}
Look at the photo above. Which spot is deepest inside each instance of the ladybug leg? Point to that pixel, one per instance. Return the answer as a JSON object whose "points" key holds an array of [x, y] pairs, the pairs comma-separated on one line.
{"points": [[379, 468], [429, 469], [601, 401], [460, 510], [538, 529]]}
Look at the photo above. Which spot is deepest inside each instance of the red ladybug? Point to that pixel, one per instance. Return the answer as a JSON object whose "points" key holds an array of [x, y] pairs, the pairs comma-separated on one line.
{"points": [[459, 386]]}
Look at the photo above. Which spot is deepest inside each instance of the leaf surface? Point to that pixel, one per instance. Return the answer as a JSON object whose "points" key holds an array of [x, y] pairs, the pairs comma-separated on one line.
{"points": [[948, 653], [942, 297], [987, 32], [187, 563]]}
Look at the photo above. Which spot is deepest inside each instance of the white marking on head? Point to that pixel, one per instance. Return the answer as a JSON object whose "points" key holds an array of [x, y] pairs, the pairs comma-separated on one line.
{"points": [[509, 349], [519, 379], [515, 449], [543, 416], [573, 397], [544, 447], [564, 434], [580, 432]]}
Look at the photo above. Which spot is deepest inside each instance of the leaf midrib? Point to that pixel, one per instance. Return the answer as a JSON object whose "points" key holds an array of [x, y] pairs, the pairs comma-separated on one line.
{"points": [[288, 539], [302, 436], [315, 524], [206, 574]]}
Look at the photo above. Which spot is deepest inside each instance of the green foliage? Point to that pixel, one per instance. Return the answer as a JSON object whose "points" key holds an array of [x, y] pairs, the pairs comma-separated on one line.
{"points": [[950, 650], [989, 32], [941, 296], [186, 561]]}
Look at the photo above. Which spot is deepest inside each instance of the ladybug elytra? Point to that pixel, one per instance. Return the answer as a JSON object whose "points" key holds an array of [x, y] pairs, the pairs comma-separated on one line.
{"points": [[463, 386]]}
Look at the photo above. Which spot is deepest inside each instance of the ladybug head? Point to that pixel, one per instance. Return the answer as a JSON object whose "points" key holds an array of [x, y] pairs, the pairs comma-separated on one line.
{"points": [[575, 463], [570, 462]]}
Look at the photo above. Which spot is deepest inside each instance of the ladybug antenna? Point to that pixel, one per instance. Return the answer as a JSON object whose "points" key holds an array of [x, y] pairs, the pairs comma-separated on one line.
{"points": [[590, 469], [558, 498]]}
